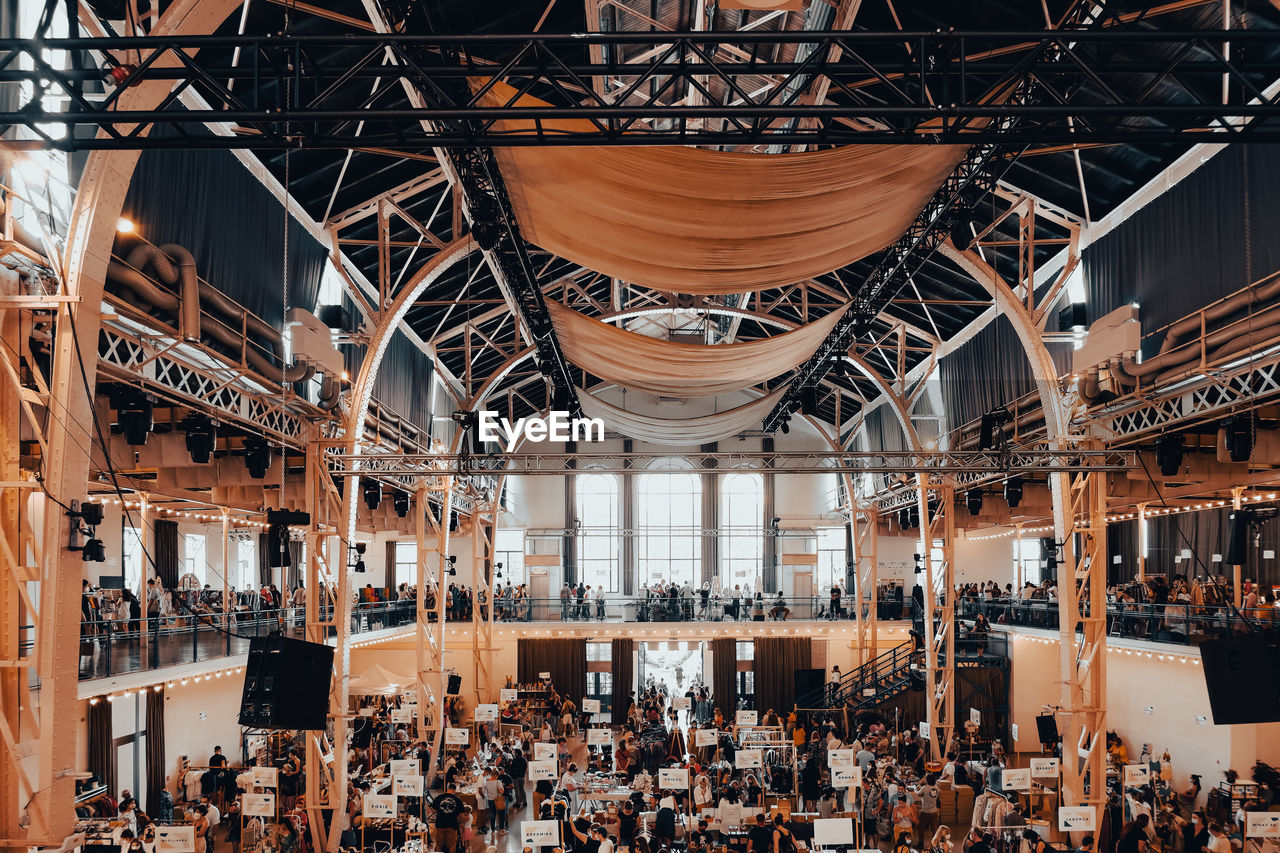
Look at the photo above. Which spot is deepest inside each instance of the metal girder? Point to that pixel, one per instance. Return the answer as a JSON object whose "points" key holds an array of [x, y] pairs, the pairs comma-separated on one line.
{"points": [[895, 87], [778, 462], [937, 513], [864, 521]]}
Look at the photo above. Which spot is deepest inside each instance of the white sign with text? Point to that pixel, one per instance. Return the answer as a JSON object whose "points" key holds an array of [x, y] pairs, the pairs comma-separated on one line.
{"points": [[746, 718], [591, 706], [457, 737], [1077, 819], [258, 805], [486, 713], [540, 833], [673, 778], [1044, 768], [747, 758], [1016, 779], [705, 737], [406, 786], [599, 737]]}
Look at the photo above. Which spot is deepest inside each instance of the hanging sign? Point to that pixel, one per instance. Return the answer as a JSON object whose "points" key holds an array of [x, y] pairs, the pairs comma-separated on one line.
{"points": [[591, 706], [379, 806], [705, 737], [258, 805], [1137, 775], [457, 737], [841, 757], [1016, 779], [406, 766], [846, 777], [673, 778], [401, 715], [175, 839], [486, 713], [1262, 824], [544, 676], [542, 771], [975, 716], [599, 737], [406, 786], [540, 833], [1077, 819], [1044, 768], [680, 703], [264, 777], [508, 694], [748, 758], [544, 752], [746, 718], [924, 730]]}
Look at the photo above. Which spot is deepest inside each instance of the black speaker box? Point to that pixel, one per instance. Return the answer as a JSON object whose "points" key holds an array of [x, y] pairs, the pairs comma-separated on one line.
{"points": [[1238, 526], [1242, 674], [278, 554], [1047, 728], [286, 684], [808, 681], [455, 684]]}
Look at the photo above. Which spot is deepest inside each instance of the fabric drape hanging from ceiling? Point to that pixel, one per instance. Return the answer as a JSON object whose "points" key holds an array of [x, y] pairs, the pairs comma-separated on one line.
{"points": [[166, 550], [565, 659], [266, 574], [404, 378], [1122, 542], [102, 747], [775, 664], [653, 366], [724, 675], [155, 749], [681, 431], [623, 671], [705, 222]]}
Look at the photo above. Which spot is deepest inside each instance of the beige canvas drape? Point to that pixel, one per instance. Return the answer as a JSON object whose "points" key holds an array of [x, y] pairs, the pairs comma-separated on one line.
{"points": [[681, 431], [661, 367], [689, 220]]}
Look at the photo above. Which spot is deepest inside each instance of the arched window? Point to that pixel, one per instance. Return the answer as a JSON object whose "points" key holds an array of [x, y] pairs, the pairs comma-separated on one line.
{"points": [[669, 515], [599, 545], [742, 527]]}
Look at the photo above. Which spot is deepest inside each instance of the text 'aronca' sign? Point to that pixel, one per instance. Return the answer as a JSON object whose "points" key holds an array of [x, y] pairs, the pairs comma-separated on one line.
{"points": [[556, 426]]}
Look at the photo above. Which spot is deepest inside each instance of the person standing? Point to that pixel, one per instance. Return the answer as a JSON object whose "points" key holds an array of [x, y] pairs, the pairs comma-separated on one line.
{"points": [[448, 808]]}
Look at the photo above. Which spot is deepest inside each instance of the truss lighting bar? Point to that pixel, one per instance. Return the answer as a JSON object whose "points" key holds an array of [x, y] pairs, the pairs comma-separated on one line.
{"points": [[895, 87], [780, 462]]}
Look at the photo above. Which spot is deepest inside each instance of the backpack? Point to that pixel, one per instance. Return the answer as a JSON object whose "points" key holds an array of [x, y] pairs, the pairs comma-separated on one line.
{"points": [[786, 841]]}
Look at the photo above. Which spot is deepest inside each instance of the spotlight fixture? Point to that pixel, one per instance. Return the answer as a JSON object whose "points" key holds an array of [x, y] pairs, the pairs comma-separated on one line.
{"points": [[1049, 551], [400, 503], [372, 494], [498, 573], [257, 456], [561, 398], [1238, 431], [135, 414], [487, 232], [914, 514], [962, 233], [904, 518], [1013, 491], [93, 551], [359, 567], [1169, 454], [786, 425], [453, 565], [202, 436], [91, 513], [973, 501]]}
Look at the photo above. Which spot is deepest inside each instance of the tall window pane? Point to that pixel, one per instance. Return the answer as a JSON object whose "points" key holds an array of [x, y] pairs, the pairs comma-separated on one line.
{"points": [[599, 543], [669, 513], [831, 559], [742, 520], [132, 558], [193, 558], [509, 551]]}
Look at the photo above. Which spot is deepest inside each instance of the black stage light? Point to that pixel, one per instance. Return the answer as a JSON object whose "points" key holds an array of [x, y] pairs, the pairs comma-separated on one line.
{"points": [[973, 501], [91, 513], [136, 417], [991, 432], [487, 233], [400, 503], [914, 511], [962, 234], [809, 401], [202, 436], [1013, 491], [1073, 318], [786, 426], [1169, 454], [498, 573], [904, 518], [278, 554], [93, 551], [372, 494], [1239, 434], [1049, 552], [257, 456]]}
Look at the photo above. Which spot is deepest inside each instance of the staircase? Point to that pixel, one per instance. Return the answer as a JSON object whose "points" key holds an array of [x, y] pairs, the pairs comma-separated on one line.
{"points": [[876, 681]]}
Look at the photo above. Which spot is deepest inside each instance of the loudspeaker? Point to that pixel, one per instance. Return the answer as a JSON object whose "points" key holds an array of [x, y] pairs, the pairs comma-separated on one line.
{"points": [[1073, 317], [278, 555], [1242, 674], [455, 684], [808, 681], [1047, 727], [1238, 537], [286, 684]]}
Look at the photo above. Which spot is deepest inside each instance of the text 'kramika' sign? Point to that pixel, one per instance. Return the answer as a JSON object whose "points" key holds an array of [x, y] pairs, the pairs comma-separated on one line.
{"points": [[591, 706], [379, 806], [457, 737], [540, 833], [1012, 779], [599, 737], [542, 771], [175, 839], [1044, 768], [745, 758], [746, 718], [846, 776], [1077, 819], [486, 713], [673, 778], [1137, 775], [705, 737], [258, 805]]}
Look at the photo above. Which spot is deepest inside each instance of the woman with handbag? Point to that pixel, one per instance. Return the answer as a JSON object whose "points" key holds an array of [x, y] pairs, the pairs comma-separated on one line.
{"points": [[495, 792]]}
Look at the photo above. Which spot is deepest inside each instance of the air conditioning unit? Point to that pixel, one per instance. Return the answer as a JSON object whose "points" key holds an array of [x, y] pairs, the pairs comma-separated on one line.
{"points": [[1111, 336], [311, 341]]}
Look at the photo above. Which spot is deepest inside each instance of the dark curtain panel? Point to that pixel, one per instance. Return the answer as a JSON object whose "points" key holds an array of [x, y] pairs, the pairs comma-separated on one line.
{"points": [[1122, 542], [724, 675], [776, 662], [294, 578], [404, 378], [390, 582], [988, 371], [166, 549], [1187, 248], [1202, 533], [622, 654], [265, 572], [102, 747], [208, 202], [155, 749], [566, 660]]}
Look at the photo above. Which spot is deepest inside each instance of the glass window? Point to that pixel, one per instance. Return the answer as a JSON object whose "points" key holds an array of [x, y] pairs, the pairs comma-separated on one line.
{"points": [[132, 557], [508, 548], [193, 557], [742, 526], [600, 686], [831, 559], [1026, 556], [246, 563], [406, 564], [599, 541], [599, 651], [669, 515]]}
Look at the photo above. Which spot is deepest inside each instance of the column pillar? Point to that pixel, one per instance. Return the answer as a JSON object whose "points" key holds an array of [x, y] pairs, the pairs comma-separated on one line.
{"points": [[710, 518], [769, 571], [628, 500]]}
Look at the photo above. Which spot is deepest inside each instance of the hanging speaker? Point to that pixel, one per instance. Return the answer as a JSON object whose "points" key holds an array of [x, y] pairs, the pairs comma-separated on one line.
{"points": [[455, 684], [809, 401], [1238, 524], [1047, 728], [1242, 675], [286, 684]]}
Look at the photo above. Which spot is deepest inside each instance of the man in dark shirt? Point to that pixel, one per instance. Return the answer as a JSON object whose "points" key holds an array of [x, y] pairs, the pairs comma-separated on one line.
{"points": [[217, 759], [542, 789], [518, 767], [698, 839], [761, 836], [448, 806]]}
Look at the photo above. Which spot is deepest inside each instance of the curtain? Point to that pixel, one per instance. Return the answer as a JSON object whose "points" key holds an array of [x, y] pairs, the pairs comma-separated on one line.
{"points": [[622, 654], [1122, 542], [1188, 247], [403, 383], [565, 659], [691, 220], [102, 747], [296, 547], [776, 662], [208, 202], [681, 431], [724, 675], [155, 749], [265, 572], [1204, 534], [654, 366], [166, 533]]}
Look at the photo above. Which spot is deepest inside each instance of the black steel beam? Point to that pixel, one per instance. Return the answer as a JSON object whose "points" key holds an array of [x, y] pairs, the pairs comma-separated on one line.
{"points": [[891, 87]]}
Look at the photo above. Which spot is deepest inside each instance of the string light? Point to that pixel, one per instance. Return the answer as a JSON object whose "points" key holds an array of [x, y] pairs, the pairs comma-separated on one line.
{"points": [[1126, 516], [124, 694]]}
